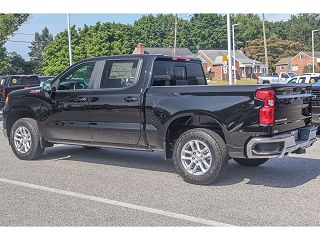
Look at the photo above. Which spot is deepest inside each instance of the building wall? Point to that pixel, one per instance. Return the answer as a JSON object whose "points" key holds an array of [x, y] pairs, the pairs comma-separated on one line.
{"points": [[282, 68], [218, 73], [299, 61]]}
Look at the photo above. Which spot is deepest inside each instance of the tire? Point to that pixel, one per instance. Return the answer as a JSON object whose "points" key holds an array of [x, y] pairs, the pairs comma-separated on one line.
{"points": [[32, 133], [251, 162], [218, 152]]}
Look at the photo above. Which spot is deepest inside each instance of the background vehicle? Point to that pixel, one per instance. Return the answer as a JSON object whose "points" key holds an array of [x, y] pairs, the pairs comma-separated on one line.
{"points": [[161, 103], [305, 78], [275, 78], [15, 82], [45, 78]]}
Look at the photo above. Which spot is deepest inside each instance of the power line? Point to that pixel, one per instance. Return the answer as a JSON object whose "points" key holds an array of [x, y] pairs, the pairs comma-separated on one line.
{"points": [[18, 41], [30, 34]]}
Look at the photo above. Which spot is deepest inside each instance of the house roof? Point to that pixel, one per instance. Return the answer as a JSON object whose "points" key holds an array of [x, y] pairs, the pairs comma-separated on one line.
{"points": [[316, 54], [183, 52], [215, 56], [283, 61]]}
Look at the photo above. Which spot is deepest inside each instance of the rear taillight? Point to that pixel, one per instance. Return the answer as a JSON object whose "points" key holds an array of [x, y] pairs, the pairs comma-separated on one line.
{"points": [[267, 111], [4, 94]]}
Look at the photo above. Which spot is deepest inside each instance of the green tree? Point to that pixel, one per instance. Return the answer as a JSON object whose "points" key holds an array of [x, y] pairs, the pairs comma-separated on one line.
{"points": [[37, 49], [18, 65], [56, 53], [104, 39], [9, 23], [249, 28], [301, 26], [155, 31], [4, 61], [277, 49], [207, 31], [90, 41]]}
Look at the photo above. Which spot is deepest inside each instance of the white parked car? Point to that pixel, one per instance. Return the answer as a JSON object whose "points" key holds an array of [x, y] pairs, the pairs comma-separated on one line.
{"points": [[305, 78]]}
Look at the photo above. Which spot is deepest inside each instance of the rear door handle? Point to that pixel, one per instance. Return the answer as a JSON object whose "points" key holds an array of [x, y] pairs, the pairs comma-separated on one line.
{"points": [[130, 99], [80, 99]]}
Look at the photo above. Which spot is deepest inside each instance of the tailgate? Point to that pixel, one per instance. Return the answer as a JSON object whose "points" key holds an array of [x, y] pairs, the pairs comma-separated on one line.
{"points": [[293, 106]]}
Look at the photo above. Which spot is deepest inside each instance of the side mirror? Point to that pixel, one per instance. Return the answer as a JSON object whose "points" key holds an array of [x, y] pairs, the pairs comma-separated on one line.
{"points": [[46, 86]]}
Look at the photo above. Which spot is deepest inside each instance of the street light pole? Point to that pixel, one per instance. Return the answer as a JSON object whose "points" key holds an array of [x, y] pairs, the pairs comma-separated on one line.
{"points": [[69, 39], [229, 49], [175, 35], [312, 38], [234, 53], [265, 45]]}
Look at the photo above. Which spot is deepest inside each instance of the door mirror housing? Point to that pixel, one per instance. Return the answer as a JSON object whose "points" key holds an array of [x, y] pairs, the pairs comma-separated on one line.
{"points": [[46, 86]]}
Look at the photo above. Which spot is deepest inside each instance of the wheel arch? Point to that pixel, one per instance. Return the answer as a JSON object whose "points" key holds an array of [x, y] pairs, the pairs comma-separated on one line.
{"points": [[15, 115], [186, 121]]}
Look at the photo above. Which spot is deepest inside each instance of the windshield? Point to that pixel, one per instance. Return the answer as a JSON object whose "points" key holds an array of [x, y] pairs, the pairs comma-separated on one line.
{"points": [[292, 74]]}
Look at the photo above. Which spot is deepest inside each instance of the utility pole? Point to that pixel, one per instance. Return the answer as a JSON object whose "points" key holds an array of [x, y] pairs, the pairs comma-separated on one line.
{"points": [[69, 39], [234, 53], [175, 35], [312, 38], [265, 45], [229, 49]]}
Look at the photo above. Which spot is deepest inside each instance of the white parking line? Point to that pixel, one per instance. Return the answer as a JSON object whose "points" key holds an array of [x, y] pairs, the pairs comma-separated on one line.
{"points": [[117, 203]]}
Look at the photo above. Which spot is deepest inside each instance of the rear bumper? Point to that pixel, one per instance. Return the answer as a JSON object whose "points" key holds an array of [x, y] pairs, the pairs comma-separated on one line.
{"points": [[282, 144]]}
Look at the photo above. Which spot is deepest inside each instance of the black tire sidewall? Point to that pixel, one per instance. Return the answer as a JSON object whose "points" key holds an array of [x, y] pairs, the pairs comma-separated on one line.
{"points": [[35, 148], [217, 154]]}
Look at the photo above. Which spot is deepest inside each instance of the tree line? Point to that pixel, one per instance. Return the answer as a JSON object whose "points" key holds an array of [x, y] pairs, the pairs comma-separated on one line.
{"points": [[49, 55]]}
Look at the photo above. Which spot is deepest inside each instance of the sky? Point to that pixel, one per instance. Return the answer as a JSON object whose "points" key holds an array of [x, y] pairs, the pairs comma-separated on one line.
{"points": [[58, 22]]}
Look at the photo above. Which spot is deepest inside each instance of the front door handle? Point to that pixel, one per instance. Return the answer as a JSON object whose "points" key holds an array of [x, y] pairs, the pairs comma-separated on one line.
{"points": [[80, 99], [130, 99]]}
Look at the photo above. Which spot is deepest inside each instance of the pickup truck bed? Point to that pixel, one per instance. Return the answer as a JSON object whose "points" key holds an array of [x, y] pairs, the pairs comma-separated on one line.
{"points": [[161, 103]]}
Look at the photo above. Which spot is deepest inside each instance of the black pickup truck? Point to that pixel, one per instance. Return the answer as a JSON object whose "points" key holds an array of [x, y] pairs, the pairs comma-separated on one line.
{"points": [[161, 103], [15, 82], [316, 104]]}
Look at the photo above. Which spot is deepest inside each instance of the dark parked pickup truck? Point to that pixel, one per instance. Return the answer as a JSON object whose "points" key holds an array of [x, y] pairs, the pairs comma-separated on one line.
{"points": [[161, 103], [15, 82], [316, 103]]}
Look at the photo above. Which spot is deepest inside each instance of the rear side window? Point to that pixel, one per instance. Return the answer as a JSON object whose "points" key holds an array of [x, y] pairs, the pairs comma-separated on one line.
{"points": [[3, 81], [120, 74], [24, 80], [170, 73]]}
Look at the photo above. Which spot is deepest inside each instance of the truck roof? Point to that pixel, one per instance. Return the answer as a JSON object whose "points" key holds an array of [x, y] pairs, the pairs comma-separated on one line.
{"points": [[144, 56]]}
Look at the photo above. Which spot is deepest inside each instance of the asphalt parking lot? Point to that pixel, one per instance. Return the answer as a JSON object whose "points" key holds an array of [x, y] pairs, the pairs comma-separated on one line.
{"points": [[72, 186]]}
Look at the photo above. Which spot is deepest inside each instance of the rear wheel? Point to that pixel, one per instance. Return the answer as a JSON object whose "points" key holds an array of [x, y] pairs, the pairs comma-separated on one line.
{"points": [[254, 162], [200, 156], [25, 139]]}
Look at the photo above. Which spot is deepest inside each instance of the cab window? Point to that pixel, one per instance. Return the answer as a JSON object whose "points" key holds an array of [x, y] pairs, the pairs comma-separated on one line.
{"points": [[170, 73], [81, 77], [120, 74]]}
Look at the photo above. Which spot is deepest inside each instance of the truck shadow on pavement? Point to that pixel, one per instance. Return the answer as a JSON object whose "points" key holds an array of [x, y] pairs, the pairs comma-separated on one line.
{"points": [[286, 172]]}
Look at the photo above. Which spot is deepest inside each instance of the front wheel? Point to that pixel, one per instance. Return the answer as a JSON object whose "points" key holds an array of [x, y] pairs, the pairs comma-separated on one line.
{"points": [[200, 156], [251, 162], [25, 139]]}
